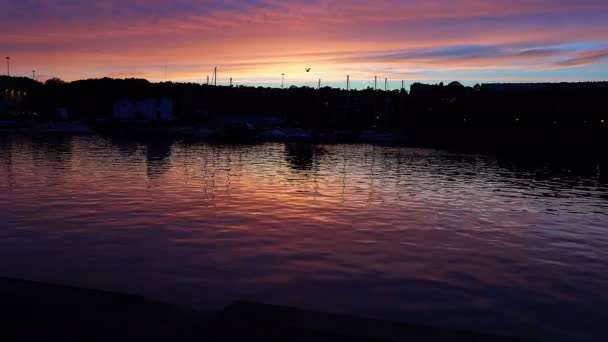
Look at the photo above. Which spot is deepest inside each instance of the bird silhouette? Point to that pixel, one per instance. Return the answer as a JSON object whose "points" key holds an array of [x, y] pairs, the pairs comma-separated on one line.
{"points": [[307, 69]]}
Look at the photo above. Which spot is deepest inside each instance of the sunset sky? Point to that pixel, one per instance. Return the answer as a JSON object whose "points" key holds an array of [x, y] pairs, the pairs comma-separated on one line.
{"points": [[255, 41]]}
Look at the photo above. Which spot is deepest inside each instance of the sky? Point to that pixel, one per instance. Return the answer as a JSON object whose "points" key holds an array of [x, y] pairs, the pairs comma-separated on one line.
{"points": [[256, 41]]}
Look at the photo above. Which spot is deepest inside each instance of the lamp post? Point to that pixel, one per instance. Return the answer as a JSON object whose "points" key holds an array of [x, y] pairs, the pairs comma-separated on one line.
{"points": [[282, 80], [8, 66]]}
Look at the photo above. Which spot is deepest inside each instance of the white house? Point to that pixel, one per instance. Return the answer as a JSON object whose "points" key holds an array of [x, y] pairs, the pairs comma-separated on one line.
{"points": [[150, 109]]}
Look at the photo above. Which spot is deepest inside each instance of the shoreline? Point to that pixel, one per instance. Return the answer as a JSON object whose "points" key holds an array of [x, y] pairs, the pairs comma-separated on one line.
{"points": [[517, 146], [70, 312]]}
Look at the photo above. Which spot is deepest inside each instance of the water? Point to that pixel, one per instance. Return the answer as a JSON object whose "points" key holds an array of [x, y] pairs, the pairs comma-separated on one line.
{"points": [[417, 235]]}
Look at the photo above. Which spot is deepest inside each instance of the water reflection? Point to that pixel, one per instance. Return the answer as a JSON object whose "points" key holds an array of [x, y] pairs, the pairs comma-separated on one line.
{"points": [[601, 175], [55, 150], [6, 148], [303, 156], [157, 157], [475, 241], [126, 147]]}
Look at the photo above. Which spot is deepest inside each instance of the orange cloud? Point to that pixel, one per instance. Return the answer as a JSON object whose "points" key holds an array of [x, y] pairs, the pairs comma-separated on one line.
{"points": [[256, 39]]}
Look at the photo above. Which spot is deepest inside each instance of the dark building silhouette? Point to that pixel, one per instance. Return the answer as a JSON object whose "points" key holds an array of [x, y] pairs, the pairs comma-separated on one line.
{"points": [[555, 115]]}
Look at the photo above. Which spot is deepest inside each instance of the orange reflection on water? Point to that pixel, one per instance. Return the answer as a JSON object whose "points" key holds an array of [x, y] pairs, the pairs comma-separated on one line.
{"points": [[382, 231]]}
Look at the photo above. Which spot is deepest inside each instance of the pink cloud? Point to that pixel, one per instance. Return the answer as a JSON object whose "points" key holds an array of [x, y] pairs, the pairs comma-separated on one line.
{"points": [[256, 37]]}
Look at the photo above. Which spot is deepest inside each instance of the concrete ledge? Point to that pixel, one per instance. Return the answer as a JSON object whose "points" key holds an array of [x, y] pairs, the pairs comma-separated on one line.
{"points": [[32, 310]]}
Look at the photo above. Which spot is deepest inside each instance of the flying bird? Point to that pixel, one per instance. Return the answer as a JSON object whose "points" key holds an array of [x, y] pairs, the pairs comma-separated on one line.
{"points": [[307, 69]]}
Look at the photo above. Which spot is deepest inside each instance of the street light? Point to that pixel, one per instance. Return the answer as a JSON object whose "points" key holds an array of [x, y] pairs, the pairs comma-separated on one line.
{"points": [[8, 66]]}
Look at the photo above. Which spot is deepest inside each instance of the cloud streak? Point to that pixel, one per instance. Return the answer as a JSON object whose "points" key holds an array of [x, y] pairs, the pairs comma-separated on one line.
{"points": [[256, 39], [584, 58]]}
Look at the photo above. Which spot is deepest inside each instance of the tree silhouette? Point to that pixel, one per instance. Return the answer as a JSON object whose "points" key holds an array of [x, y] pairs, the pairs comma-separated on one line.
{"points": [[53, 81], [487, 115]]}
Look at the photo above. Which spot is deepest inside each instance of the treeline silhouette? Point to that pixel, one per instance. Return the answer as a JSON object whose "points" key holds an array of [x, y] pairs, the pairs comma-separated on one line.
{"points": [[572, 114]]}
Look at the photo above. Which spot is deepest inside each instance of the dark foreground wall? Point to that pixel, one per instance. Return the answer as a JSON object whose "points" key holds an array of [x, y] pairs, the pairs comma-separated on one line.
{"points": [[32, 310]]}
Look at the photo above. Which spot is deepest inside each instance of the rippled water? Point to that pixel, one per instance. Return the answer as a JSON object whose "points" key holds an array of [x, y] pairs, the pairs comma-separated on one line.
{"points": [[454, 240]]}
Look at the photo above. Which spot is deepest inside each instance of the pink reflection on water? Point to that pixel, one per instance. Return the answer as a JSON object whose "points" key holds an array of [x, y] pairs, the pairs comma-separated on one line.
{"points": [[389, 232]]}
